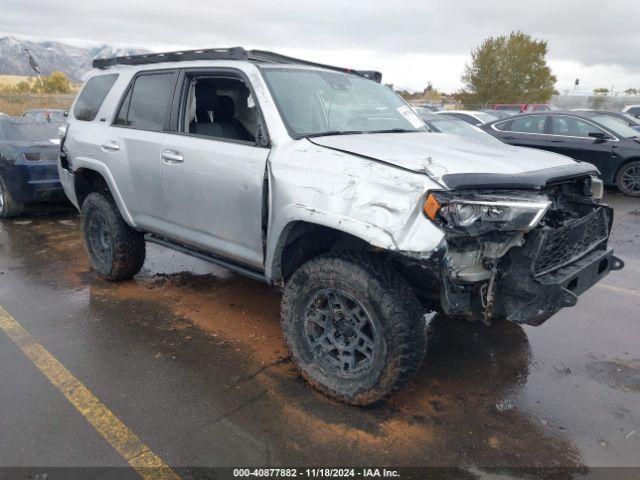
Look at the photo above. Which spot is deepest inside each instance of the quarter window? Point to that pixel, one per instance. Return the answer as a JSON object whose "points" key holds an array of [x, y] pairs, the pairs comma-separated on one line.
{"points": [[92, 95], [573, 127], [146, 104]]}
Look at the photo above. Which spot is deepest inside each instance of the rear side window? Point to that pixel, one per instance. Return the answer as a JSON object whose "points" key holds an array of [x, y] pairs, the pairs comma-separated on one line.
{"points": [[146, 104], [92, 96], [523, 125]]}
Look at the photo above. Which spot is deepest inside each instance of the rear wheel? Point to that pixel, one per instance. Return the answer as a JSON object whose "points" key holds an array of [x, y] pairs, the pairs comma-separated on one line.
{"points": [[115, 249], [628, 179], [353, 326], [9, 208]]}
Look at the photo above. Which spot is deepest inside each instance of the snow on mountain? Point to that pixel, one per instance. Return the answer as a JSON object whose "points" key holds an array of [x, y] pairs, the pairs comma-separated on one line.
{"points": [[73, 61]]}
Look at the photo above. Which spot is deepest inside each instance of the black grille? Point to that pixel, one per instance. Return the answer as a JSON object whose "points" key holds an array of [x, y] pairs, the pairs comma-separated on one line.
{"points": [[561, 246]]}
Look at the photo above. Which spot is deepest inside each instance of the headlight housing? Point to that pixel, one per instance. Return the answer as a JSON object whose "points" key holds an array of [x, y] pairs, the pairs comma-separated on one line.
{"points": [[477, 214]]}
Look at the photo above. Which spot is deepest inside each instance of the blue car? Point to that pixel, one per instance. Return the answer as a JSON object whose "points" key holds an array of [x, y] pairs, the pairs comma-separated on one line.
{"points": [[28, 164]]}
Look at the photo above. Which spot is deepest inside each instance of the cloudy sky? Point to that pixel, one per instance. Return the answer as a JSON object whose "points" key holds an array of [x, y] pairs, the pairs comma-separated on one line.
{"points": [[411, 42]]}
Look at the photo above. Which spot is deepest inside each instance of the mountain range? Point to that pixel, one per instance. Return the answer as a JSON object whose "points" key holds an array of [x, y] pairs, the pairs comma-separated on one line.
{"points": [[75, 62]]}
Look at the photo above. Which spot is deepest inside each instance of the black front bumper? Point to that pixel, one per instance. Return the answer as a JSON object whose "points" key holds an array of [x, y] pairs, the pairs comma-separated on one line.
{"points": [[522, 298]]}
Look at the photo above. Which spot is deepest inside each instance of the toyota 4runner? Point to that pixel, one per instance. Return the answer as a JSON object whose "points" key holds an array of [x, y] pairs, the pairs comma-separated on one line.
{"points": [[324, 182]]}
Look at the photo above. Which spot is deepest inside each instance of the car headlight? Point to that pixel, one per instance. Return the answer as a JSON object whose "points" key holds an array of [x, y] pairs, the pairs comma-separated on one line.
{"points": [[475, 214]]}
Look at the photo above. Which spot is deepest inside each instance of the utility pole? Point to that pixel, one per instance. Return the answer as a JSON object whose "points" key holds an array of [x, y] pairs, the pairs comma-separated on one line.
{"points": [[34, 65]]}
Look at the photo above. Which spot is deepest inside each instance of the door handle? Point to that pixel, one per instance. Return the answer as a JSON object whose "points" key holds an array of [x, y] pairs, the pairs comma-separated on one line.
{"points": [[557, 141], [172, 156], [509, 137], [110, 146]]}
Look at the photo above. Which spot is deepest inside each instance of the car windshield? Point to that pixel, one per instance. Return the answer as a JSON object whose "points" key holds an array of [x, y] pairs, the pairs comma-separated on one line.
{"points": [[615, 126], [633, 120], [455, 126], [28, 131], [320, 102]]}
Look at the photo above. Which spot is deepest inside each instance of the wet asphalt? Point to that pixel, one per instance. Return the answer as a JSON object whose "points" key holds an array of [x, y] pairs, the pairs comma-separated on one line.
{"points": [[190, 357]]}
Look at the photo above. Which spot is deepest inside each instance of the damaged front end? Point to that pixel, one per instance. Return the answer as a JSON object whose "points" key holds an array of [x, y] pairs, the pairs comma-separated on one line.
{"points": [[521, 254]]}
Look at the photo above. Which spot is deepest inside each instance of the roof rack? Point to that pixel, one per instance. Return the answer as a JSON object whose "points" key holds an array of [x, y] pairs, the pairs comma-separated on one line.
{"points": [[234, 53]]}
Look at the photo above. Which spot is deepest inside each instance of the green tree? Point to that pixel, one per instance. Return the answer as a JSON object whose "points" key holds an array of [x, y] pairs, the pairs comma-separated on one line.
{"points": [[601, 91], [508, 69]]}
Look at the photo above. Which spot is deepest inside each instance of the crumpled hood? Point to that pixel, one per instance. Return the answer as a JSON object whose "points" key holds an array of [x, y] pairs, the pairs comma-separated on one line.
{"points": [[438, 154]]}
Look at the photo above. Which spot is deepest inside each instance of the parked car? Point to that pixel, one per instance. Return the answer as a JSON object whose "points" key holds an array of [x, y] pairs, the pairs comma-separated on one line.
{"points": [[624, 118], [48, 114], [523, 107], [591, 137], [366, 221], [455, 126], [429, 106], [474, 117], [499, 113], [632, 110], [28, 164]]}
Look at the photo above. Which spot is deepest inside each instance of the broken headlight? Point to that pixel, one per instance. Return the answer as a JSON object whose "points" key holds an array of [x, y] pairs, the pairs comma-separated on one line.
{"points": [[475, 214]]}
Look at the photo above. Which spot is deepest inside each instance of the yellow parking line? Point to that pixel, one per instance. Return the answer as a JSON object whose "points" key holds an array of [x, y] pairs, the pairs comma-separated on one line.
{"points": [[614, 288], [138, 455]]}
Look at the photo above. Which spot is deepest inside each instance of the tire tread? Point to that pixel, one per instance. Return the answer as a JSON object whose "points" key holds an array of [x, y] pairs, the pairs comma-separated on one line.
{"points": [[405, 328]]}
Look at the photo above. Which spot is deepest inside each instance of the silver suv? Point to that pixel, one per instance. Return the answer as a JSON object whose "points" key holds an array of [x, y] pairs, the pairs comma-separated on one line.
{"points": [[326, 183]]}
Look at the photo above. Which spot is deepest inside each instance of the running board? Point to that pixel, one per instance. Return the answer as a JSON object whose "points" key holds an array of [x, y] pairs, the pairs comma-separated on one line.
{"points": [[208, 257]]}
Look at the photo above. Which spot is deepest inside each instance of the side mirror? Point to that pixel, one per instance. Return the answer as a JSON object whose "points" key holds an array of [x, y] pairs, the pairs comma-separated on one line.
{"points": [[65, 114], [599, 135]]}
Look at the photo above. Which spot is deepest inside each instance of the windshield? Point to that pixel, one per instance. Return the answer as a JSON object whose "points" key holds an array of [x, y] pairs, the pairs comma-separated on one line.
{"points": [[455, 126], [28, 131], [631, 119], [319, 102], [615, 126]]}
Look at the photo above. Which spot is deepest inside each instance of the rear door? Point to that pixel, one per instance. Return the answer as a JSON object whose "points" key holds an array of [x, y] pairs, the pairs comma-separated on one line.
{"points": [[136, 137], [569, 135], [525, 131]]}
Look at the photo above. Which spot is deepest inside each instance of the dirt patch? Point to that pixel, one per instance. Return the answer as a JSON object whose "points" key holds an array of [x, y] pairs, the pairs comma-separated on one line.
{"points": [[242, 311]]}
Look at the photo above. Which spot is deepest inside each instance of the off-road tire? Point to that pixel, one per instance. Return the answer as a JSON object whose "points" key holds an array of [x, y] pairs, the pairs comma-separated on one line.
{"points": [[127, 246], [9, 208], [624, 187], [394, 309]]}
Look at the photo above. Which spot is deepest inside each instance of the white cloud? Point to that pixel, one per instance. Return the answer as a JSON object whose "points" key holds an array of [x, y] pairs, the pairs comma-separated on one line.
{"points": [[412, 42]]}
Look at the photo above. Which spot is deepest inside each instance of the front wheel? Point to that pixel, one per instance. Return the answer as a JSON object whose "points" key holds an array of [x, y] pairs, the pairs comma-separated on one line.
{"points": [[115, 249], [628, 179], [353, 327]]}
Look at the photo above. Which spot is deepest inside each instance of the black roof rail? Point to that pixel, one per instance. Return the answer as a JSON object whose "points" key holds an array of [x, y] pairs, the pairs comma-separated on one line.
{"points": [[271, 57], [233, 53]]}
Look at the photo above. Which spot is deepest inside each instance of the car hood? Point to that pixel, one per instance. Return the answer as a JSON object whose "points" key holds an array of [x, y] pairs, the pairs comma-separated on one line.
{"points": [[441, 154]]}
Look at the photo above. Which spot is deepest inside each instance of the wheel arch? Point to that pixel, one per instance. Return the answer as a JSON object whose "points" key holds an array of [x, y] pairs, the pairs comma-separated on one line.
{"points": [[87, 180], [626, 162], [623, 165], [301, 240]]}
